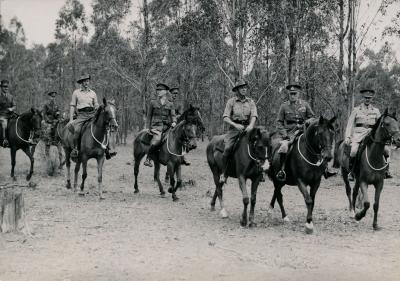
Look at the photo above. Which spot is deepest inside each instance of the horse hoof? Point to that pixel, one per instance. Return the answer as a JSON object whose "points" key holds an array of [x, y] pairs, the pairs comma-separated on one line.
{"points": [[136, 191], [102, 197], [175, 198], [162, 194], [286, 219], [14, 178], [309, 228], [170, 190], [224, 214], [352, 214], [212, 209], [243, 223], [81, 193], [28, 177], [358, 217], [376, 227], [68, 186], [252, 225]]}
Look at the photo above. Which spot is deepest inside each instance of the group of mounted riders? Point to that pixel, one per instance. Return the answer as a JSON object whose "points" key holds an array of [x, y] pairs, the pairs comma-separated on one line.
{"points": [[240, 115]]}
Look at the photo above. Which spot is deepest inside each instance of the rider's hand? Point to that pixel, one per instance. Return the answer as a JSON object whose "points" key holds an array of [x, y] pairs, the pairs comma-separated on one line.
{"points": [[173, 124], [239, 127], [249, 128], [10, 109], [347, 141], [299, 126]]}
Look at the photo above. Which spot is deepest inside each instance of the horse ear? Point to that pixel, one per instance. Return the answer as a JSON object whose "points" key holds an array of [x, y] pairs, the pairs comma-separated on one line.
{"points": [[332, 120], [105, 102], [32, 110], [321, 119], [386, 111]]}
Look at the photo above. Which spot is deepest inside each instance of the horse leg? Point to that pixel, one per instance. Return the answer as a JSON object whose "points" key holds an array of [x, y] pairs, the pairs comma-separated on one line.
{"points": [[13, 153], [68, 165], [59, 149], [157, 178], [345, 176], [245, 196], [355, 195], [84, 175], [138, 158], [47, 150], [309, 203], [378, 190], [27, 151], [279, 197], [273, 199], [218, 193], [254, 187], [364, 191], [100, 162], [178, 173], [76, 171], [171, 171]]}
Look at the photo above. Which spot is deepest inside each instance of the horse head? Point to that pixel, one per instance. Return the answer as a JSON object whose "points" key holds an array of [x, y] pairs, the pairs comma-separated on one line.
{"points": [[36, 119], [320, 136], [192, 123], [259, 141], [387, 128], [109, 114]]}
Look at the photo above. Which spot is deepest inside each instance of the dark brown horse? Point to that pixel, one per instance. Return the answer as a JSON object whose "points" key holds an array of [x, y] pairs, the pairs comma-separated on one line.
{"points": [[305, 165], [20, 131], [170, 152], [370, 164], [93, 142], [249, 154]]}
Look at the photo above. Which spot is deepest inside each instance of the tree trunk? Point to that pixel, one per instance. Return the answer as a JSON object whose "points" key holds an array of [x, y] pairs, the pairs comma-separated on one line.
{"points": [[12, 211]]}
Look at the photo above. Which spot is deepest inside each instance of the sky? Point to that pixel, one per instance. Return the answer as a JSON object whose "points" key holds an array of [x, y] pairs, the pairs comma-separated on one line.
{"points": [[38, 18]]}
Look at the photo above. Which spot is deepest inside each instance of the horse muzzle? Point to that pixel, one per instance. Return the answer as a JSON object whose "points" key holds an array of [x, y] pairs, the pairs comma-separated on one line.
{"points": [[192, 144], [327, 154]]}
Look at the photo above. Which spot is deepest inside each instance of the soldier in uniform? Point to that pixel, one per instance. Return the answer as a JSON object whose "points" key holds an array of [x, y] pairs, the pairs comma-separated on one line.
{"points": [[51, 115], [178, 106], [359, 125], [84, 103], [7, 107], [240, 114], [160, 117], [292, 116]]}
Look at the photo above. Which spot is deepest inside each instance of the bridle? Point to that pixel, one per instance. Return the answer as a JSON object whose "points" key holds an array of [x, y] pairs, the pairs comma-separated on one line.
{"points": [[31, 133], [108, 127]]}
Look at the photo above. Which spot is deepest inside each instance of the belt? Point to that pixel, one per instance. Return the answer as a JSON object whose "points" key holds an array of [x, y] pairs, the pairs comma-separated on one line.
{"points": [[290, 122], [243, 122], [364, 126], [86, 109]]}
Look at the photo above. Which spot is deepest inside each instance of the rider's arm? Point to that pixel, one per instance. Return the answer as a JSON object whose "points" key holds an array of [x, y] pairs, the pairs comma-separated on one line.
{"points": [[280, 121], [227, 113], [149, 115], [253, 115], [309, 112], [44, 113], [173, 116], [95, 101], [13, 105]]}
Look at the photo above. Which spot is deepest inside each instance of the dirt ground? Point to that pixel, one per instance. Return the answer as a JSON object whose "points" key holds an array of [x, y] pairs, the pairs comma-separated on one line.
{"points": [[146, 237]]}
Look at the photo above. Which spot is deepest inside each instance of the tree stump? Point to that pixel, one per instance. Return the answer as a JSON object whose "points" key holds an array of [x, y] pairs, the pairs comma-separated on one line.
{"points": [[12, 211]]}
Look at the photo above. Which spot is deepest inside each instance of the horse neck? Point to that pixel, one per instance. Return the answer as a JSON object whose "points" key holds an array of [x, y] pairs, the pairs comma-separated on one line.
{"points": [[308, 143], [99, 126], [24, 125], [376, 148], [175, 137]]}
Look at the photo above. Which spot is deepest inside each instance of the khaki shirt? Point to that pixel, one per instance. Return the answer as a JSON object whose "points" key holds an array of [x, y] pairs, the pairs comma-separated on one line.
{"points": [[159, 116], [82, 99], [6, 101], [361, 119], [50, 111], [291, 114], [240, 110]]}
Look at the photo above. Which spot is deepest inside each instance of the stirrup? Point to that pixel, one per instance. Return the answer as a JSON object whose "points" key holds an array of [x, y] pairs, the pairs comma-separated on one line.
{"points": [[281, 175], [185, 162], [222, 178], [74, 153], [148, 163], [5, 143]]}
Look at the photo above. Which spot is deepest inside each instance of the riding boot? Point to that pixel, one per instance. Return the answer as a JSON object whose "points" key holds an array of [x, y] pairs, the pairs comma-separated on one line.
{"points": [[75, 151], [223, 177], [148, 161], [109, 153], [351, 167], [388, 175], [329, 173], [281, 175]]}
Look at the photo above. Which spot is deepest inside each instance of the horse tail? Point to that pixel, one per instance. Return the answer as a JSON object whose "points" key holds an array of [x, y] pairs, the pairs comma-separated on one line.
{"points": [[336, 155]]}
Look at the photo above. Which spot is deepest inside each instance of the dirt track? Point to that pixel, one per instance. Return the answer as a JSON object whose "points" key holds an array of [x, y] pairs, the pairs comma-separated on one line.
{"points": [[145, 237]]}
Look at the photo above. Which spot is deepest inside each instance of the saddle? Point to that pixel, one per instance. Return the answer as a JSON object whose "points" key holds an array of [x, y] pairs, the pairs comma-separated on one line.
{"points": [[148, 136], [220, 145]]}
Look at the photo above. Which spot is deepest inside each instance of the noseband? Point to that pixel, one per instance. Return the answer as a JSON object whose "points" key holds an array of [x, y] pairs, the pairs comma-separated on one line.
{"points": [[388, 135]]}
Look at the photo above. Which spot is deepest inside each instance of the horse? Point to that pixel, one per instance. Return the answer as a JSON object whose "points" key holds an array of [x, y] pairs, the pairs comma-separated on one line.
{"points": [[370, 164], [184, 134], [93, 142], [249, 152], [306, 162], [56, 141], [20, 131]]}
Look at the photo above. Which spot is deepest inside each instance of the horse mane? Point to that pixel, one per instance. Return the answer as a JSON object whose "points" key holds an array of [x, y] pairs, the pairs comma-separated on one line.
{"points": [[27, 115], [369, 138], [97, 114]]}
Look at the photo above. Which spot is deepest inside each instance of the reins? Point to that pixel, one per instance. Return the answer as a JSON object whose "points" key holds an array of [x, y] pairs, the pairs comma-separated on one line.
{"points": [[319, 162], [30, 134]]}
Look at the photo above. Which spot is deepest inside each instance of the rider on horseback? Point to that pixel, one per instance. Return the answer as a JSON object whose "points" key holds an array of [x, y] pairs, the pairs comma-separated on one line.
{"points": [[178, 111], [292, 117], [84, 102], [359, 125], [7, 107], [51, 115], [241, 114], [160, 117]]}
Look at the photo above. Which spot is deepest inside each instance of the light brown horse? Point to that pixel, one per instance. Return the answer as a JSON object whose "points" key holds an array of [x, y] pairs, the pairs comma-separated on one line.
{"points": [[93, 142], [370, 164]]}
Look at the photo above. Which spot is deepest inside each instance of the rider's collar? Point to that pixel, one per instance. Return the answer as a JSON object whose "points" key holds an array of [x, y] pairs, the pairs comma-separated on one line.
{"points": [[85, 90], [241, 99]]}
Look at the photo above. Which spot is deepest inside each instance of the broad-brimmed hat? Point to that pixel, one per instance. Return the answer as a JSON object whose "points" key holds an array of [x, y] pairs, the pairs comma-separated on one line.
{"points": [[293, 88], [83, 78], [51, 93], [4, 82], [367, 93], [174, 90], [161, 86], [239, 84]]}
